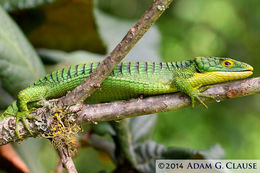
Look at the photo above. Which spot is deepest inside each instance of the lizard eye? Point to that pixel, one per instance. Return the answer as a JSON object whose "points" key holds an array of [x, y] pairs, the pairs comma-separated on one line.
{"points": [[227, 63]]}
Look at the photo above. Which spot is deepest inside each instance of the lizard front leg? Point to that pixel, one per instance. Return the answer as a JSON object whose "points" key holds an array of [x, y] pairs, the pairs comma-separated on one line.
{"points": [[185, 86]]}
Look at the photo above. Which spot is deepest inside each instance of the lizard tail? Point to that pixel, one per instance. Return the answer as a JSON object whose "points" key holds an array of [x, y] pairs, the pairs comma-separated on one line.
{"points": [[10, 111]]}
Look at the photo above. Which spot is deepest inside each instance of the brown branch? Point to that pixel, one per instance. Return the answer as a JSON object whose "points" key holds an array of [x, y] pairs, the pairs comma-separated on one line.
{"points": [[93, 82], [67, 160], [124, 109], [59, 167], [163, 103]]}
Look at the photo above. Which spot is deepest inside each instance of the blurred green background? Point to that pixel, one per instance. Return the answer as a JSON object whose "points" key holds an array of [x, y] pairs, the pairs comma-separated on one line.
{"points": [[188, 28]]}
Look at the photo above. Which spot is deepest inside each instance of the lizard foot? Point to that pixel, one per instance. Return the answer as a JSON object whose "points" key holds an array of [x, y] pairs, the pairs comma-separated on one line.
{"points": [[23, 116], [196, 94]]}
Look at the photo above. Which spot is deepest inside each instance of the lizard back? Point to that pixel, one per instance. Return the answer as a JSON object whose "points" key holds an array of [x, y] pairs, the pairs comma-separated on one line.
{"points": [[127, 80]]}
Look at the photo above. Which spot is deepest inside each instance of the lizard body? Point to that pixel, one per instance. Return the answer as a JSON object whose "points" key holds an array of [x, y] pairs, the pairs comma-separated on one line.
{"points": [[132, 79]]}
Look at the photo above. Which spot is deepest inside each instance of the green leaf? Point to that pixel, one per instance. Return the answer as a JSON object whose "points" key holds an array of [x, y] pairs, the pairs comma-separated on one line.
{"points": [[124, 147], [142, 128], [146, 154], [29, 150], [13, 5], [103, 128], [214, 152], [77, 57], [19, 63], [5, 98], [147, 49]]}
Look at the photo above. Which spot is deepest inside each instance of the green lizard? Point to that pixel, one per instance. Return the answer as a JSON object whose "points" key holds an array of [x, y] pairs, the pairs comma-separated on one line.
{"points": [[132, 79]]}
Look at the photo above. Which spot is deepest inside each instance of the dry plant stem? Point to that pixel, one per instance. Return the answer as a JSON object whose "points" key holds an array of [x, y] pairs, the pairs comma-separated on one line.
{"points": [[93, 82], [125, 109], [67, 160]]}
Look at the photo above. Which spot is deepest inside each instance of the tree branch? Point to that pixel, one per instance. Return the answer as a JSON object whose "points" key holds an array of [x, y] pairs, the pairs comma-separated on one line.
{"points": [[80, 93], [163, 103], [59, 167], [67, 160], [125, 109]]}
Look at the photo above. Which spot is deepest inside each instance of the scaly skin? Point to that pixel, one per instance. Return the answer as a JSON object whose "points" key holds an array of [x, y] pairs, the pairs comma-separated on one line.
{"points": [[132, 79]]}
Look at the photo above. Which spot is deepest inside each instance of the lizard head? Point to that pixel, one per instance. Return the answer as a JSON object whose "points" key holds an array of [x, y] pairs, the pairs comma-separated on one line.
{"points": [[225, 68], [210, 64]]}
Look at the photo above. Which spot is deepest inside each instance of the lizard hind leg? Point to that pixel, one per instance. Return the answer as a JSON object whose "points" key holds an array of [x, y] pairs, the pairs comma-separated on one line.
{"points": [[23, 116], [26, 96]]}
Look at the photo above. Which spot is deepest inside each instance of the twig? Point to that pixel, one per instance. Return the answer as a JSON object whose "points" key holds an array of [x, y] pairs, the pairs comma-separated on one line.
{"points": [[59, 167], [93, 82], [134, 107], [67, 160]]}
